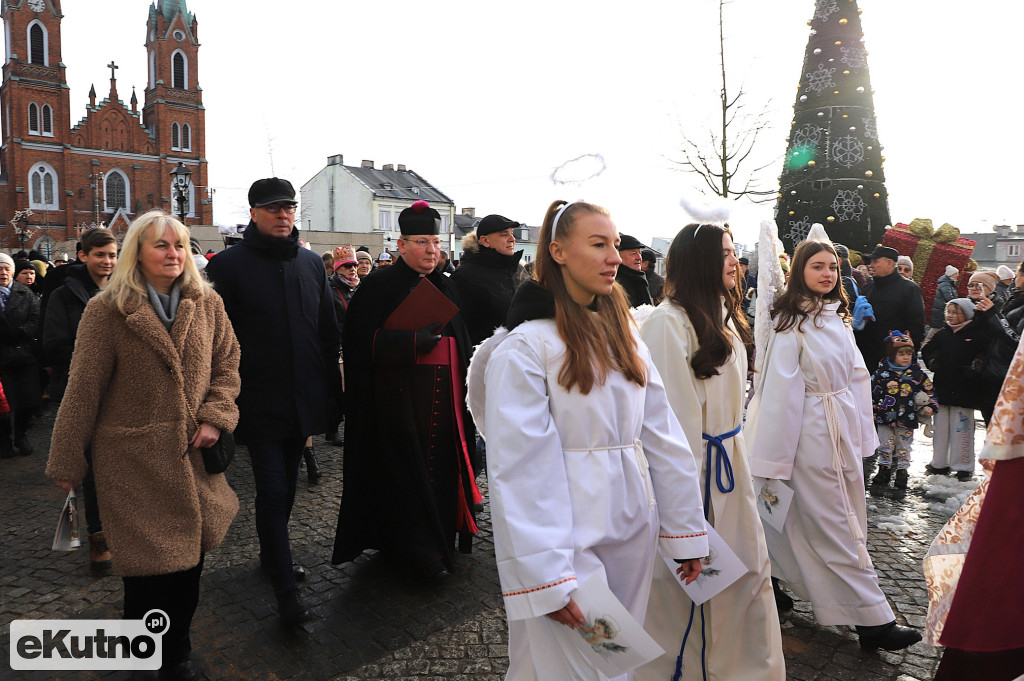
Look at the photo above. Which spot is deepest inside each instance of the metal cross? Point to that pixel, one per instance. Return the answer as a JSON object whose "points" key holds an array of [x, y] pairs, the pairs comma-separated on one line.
{"points": [[112, 66]]}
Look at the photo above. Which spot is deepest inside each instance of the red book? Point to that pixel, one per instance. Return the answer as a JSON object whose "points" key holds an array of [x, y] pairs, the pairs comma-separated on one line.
{"points": [[426, 305]]}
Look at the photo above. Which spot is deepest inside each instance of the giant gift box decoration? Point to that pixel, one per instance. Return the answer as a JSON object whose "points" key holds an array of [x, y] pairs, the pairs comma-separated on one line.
{"points": [[931, 250]]}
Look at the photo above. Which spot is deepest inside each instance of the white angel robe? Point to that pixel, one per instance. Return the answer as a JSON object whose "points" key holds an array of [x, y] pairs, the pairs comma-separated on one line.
{"points": [[579, 485], [744, 641], [817, 555]]}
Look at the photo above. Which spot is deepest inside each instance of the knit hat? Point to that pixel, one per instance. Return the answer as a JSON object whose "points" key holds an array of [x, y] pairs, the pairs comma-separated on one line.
{"points": [[896, 340], [951, 271], [364, 255], [6, 259], [966, 304], [1004, 272], [986, 277], [20, 265], [841, 250], [904, 260]]}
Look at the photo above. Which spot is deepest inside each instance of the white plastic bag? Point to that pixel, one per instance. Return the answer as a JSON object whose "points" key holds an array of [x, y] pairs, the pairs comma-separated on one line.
{"points": [[66, 537]]}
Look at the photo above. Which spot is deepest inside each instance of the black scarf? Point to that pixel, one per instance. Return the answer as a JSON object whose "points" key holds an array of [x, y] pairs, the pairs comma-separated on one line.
{"points": [[278, 248]]}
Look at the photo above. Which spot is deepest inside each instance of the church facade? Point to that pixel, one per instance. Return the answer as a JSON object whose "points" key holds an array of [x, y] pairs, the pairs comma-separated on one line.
{"points": [[59, 175]]}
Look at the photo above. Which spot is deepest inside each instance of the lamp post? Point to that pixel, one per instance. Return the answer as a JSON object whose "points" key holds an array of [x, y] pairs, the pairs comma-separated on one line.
{"points": [[23, 232], [182, 178]]}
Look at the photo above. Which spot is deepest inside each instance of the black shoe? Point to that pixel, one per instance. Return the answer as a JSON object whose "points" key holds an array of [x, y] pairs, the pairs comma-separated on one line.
{"points": [[298, 572], [182, 671], [22, 446], [434, 573], [291, 608], [889, 636], [933, 470], [902, 478], [312, 465], [783, 601], [882, 477], [964, 476]]}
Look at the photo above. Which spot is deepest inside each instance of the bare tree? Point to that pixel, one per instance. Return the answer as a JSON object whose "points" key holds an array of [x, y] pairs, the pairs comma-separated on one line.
{"points": [[721, 161]]}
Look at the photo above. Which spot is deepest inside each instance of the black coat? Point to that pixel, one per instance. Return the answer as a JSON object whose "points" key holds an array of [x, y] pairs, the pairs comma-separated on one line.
{"points": [[898, 304], [19, 332], [281, 309], [950, 356], [945, 291], [60, 327], [341, 295], [403, 469], [1002, 344], [634, 283], [656, 285], [486, 284]]}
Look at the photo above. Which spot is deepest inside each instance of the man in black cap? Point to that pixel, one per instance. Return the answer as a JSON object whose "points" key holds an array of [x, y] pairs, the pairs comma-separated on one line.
{"points": [[629, 275], [282, 311], [487, 281], [409, 440], [897, 304], [655, 282]]}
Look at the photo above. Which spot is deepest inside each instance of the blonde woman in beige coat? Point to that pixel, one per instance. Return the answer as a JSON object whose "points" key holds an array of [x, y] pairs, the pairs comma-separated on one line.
{"points": [[153, 379]]}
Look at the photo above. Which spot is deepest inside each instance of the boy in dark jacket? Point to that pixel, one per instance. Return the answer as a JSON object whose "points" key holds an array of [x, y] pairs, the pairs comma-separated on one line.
{"points": [[895, 383]]}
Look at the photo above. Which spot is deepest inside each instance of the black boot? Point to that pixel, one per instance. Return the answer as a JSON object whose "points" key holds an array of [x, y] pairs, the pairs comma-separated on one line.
{"points": [[889, 636], [883, 477], [783, 601], [292, 609], [312, 465], [902, 478], [22, 418]]}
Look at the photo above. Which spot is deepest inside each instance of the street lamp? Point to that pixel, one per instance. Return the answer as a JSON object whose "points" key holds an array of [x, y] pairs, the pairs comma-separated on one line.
{"points": [[23, 232], [182, 177]]}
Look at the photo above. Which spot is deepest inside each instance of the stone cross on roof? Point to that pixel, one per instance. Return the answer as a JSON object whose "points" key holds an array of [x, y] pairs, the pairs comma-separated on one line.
{"points": [[113, 67]]}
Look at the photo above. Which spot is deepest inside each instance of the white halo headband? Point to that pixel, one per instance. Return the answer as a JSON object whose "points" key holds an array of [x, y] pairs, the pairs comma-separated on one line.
{"points": [[558, 215]]}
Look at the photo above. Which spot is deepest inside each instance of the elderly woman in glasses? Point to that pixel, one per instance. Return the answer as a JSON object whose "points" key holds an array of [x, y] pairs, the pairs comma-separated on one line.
{"points": [[1004, 340]]}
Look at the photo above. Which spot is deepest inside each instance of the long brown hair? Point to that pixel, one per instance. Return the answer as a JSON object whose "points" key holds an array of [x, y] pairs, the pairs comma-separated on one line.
{"points": [[793, 306], [588, 337], [693, 281]]}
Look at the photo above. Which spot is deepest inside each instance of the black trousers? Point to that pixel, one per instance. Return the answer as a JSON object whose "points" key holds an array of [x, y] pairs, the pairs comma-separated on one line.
{"points": [[177, 594]]}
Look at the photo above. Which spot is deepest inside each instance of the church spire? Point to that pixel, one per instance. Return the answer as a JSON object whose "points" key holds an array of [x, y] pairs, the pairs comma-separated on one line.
{"points": [[171, 7], [833, 168]]}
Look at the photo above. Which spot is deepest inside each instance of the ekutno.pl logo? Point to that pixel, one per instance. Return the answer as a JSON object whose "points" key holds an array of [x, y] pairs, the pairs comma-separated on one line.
{"points": [[89, 644]]}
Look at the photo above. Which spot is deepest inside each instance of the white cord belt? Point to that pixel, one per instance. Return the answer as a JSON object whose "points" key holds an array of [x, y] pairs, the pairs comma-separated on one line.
{"points": [[641, 462]]}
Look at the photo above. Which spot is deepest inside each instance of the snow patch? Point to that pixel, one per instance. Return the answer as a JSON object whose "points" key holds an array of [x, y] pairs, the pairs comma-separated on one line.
{"points": [[950, 492], [892, 523]]}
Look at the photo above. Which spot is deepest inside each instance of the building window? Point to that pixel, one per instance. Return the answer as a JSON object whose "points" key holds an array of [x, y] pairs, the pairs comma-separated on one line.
{"points": [[180, 71], [1013, 251], [43, 186], [115, 190], [444, 224], [384, 220], [37, 44], [175, 136], [186, 137], [33, 119], [47, 120]]}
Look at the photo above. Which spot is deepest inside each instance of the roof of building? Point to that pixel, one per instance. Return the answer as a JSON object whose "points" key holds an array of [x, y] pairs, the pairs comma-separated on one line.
{"points": [[171, 7], [404, 185]]}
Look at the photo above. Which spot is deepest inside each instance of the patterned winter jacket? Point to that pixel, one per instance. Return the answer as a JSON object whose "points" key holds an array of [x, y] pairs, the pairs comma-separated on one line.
{"points": [[892, 393]]}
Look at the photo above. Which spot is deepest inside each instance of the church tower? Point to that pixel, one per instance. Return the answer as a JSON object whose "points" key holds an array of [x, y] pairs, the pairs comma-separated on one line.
{"points": [[35, 101], [173, 111]]}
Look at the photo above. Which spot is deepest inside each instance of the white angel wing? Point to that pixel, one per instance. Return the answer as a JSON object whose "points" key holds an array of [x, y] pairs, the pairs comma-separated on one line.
{"points": [[707, 209], [770, 282], [818, 233], [476, 386]]}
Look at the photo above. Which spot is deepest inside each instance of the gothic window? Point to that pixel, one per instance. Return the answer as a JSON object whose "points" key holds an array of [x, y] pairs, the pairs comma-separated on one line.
{"points": [[186, 137], [175, 136], [47, 120], [43, 186], [33, 118], [180, 71], [116, 190], [37, 44]]}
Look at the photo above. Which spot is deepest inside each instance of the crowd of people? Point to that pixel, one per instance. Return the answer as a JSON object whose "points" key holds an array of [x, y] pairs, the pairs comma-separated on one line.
{"points": [[607, 404]]}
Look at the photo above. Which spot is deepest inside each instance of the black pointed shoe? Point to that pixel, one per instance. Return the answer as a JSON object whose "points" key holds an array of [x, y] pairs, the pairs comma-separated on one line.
{"points": [[292, 609], [889, 636], [783, 601]]}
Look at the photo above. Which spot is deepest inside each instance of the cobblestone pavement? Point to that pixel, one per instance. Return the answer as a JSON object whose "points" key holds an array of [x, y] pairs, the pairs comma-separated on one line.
{"points": [[372, 621]]}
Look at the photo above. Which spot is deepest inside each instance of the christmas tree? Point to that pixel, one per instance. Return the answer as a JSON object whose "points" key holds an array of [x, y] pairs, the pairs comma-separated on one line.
{"points": [[833, 167]]}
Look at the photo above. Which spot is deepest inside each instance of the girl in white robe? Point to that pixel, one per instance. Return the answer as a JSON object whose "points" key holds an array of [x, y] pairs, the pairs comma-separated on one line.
{"points": [[587, 467], [810, 425], [739, 627]]}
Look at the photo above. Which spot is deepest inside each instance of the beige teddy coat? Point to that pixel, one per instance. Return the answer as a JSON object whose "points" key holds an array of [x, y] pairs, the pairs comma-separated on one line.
{"points": [[125, 399]]}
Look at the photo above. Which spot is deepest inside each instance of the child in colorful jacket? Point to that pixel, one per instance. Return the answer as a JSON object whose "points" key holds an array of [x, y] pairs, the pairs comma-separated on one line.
{"points": [[896, 381]]}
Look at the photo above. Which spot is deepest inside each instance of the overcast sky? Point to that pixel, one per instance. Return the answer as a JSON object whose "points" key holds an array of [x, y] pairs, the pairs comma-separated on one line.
{"points": [[486, 99]]}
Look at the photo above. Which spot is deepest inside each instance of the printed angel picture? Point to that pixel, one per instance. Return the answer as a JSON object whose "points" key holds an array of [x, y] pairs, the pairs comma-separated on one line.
{"points": [[709, 571], [768, 498], [600, 633]]}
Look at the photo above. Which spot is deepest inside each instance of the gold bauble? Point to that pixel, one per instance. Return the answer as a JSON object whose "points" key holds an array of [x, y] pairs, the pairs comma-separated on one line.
{"points": [[843, 21], [838, 43], [810, 163], [868, 173], [830, 219], [846, 72], [792, 212], [878, 196]]}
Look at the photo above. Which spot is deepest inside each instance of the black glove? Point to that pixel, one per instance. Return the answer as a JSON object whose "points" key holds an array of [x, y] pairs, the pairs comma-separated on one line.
{"points": [[427, 338]]}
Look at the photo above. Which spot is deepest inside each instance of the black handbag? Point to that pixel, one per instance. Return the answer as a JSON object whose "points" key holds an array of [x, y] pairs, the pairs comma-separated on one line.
{"points": [[217, 457]]}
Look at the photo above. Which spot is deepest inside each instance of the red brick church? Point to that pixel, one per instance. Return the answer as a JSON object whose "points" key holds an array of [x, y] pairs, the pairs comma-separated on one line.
{"points": [[114, 162]]}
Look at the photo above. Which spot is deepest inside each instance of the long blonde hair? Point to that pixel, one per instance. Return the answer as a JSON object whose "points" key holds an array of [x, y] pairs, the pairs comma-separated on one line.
{"points": [[588, 337], [127, 285]]}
